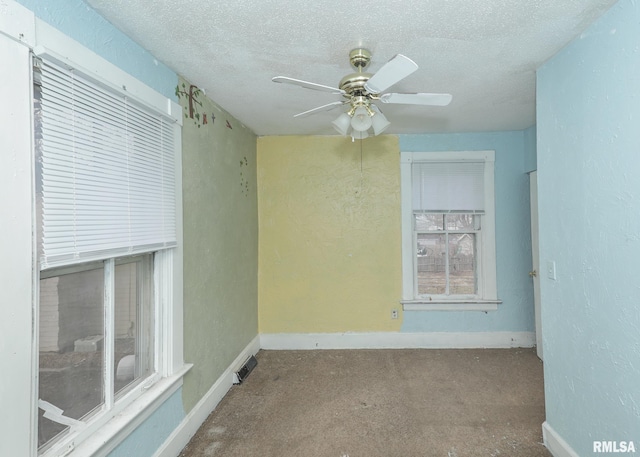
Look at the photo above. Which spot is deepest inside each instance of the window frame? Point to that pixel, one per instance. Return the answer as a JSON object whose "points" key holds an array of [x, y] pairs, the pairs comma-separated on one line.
{"points": [[103, 433], [131, 392], [486, 298]]}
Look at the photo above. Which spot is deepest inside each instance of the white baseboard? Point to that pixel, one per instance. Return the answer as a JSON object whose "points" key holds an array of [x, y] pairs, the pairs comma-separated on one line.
{"points": [[555, 444], [395, 340], [192, 422]]}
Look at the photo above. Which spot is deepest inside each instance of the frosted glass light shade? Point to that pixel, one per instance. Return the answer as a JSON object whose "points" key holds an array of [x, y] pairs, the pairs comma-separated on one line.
{"points": [[356, 135], [361, 120], [379, 123], [342, 123]]}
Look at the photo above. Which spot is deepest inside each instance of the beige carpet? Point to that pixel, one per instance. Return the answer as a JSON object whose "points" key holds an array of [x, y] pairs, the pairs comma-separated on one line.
{"points": [[387, 403]]}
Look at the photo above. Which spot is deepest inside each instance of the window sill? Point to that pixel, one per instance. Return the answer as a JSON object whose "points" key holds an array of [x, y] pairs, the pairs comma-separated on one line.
{"points": [[450, 305], [116, 430]]}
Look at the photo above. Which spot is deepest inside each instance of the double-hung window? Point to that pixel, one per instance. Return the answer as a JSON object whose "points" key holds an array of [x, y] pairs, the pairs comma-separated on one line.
{"points": [[448, 230], [106, 207]]}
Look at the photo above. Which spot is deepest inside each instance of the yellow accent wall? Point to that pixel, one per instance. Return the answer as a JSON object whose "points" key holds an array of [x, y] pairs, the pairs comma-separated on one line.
{"points": [[329, 245]]}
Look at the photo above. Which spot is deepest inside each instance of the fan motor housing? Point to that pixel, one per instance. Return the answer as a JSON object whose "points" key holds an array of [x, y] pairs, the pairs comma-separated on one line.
{"points": [[353, 84]]}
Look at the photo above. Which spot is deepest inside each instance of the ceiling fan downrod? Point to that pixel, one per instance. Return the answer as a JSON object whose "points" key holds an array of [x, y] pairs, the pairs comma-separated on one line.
{"points": [[353, 84]]}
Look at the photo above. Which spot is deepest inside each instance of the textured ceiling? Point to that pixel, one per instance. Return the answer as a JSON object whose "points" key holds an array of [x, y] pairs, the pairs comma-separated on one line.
{"points": [[483, 52]]}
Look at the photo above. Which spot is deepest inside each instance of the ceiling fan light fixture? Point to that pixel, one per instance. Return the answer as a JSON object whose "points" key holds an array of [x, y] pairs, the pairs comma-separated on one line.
{"points": [[359, 135], [379, 122], [361, 120], [342, 124]]}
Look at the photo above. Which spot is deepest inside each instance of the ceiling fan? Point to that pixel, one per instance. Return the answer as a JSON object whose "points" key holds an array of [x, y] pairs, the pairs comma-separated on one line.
{"points": [[360, 90]]}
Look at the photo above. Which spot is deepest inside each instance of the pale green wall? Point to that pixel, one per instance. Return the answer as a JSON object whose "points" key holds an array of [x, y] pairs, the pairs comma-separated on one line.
{"points": [[220, 244]]}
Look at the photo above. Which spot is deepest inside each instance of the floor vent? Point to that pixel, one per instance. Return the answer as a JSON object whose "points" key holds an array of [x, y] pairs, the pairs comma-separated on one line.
{"points": [[244, 371]]}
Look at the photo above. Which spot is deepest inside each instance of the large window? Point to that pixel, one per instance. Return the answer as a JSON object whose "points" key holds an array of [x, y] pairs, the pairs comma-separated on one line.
{"points": [[448, 230], [106, 234]]}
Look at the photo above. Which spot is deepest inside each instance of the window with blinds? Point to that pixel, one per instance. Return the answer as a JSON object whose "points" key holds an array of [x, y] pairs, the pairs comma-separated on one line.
{"points": [[106, 202], [105, 171], [448, 229]]}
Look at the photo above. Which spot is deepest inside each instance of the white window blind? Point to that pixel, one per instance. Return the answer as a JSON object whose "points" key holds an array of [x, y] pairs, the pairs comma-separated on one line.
{"points": [[107, 171], [448, 186]]}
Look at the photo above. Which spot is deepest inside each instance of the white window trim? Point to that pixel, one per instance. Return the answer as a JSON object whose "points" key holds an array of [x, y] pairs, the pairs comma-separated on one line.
{"points": [[102, 435], [104, 438], [487, 288], [17, 339]]}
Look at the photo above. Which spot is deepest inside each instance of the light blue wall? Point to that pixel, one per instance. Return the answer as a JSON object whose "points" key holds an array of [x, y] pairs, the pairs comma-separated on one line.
{"points": [[80, 22], [589, 206], [530, 149], [149, 436], [513, 236]]}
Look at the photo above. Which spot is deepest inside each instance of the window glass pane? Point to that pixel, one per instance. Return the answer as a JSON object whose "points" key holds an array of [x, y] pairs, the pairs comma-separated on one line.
{"points": [[71, 346], [428, 221], [431, 264], [460, 221], [462, 264], [133, 322]]}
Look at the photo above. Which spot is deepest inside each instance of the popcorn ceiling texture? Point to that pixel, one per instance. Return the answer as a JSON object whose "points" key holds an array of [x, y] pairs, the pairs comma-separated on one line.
{"points": [[485, 53]]}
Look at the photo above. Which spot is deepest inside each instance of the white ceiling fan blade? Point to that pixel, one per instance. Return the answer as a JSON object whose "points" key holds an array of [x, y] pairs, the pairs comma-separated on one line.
{"points": [[326, 107], [417, 99], [396, 69], [307, 85]]}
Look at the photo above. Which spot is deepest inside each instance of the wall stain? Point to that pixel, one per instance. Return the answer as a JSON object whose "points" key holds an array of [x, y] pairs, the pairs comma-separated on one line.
{"points": [[244, 182]]}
